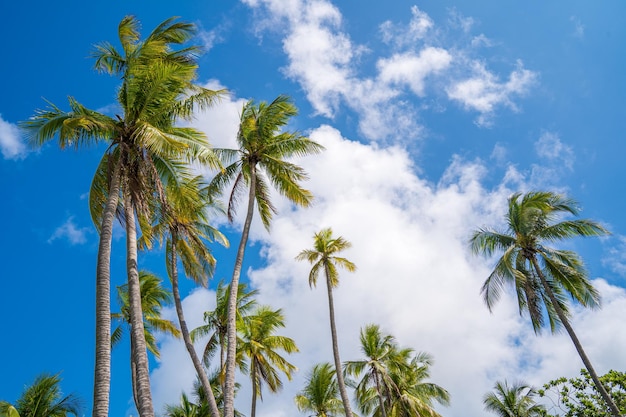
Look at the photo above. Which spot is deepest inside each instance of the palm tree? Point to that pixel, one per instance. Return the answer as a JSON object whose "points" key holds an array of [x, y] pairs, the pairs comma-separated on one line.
{"points": [[542, 276], [261, 157], [153, 298], [380, 351], [260, 345], [43, 399], [216, 322], [411, 395], [321, 393], [323, 258], [516, 400], [145, 147], [185, 224]]}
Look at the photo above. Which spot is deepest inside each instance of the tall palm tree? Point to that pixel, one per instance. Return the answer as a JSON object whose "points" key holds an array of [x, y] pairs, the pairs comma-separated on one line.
{"points": [[264, 150], [323, 258], [153, 298], [261, 345], [515, 400], [43, 399], [380, 351], [542, 276], [321, 393], [411, 395], [185, 224], [145, 147], [216, 322]]}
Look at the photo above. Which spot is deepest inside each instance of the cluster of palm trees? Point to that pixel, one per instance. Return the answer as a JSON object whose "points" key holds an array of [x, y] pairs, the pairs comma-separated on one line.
{"points": [[147, 181]]}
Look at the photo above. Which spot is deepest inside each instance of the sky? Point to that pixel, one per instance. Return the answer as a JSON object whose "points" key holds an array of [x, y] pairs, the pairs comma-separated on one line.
{"points": [[432, 114]]}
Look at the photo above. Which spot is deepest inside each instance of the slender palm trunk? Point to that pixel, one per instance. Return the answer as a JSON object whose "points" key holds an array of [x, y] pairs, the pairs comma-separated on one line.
{"points": [[133, 370], [102, 372], [380, 394], [140, 355], [579, 348], [204, 380], [333, 332], [231, 326], [254, 389]]}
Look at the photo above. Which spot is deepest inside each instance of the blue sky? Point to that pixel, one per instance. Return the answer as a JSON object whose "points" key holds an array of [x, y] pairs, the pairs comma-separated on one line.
{"points": [[432, 115]]}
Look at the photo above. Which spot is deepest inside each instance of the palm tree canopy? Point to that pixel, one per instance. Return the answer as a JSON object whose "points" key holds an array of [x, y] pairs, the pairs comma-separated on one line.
{"points": [[323, 257], [153, 298], [43, 399], [535, 220], [320, 395], [264, 145], [515, 400], [262, 346]]}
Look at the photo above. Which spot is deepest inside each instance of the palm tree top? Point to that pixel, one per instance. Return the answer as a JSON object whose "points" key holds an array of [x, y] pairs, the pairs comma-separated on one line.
{"points": [[323, 256]]}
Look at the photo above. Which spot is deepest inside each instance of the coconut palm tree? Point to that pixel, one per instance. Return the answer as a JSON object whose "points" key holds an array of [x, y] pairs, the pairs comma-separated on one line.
{"points": [[515, 400], [542, 276], [145, 148], [380, 350], [153, 298], [261, 345], [262, 158], [185, 224], [216, 322], [321, 393], [323, 258], [43, 399], [411, 395]]}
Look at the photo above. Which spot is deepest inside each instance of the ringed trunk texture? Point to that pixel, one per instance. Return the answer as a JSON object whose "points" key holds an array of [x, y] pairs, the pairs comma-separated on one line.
{"points": [[579, 348], [380, 395], [231, 326], [333, 332], [140, 356], [254, 390], [204, 380], [102, 371]]}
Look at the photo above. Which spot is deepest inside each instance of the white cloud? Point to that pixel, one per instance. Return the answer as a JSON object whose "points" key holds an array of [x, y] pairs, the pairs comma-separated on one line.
{"points": [[412, 69], [484, 92], [11, 142], [71, 232], [325, 61], [557, 160], [579, 28], [415, 278]]}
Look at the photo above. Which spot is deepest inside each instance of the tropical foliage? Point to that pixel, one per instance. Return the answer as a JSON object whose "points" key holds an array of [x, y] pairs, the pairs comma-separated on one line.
{"points": [[43, 399], [320, 394], [262, 158], [516, 400], [579, 397], [324, 258], [541, 276]]}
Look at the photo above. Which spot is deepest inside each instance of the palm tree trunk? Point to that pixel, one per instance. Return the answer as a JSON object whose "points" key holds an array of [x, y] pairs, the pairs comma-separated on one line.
{"points": [[144, 396], [133, 370], [204, 380], [231, 326], [102, 371], [579, 348], [333, 332], [380, 395], [254, 389]]}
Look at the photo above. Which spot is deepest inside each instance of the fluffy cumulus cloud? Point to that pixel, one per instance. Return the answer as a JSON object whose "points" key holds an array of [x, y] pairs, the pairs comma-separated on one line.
{"points": [[484, 92], [11, 143], [415, 278], [325, 61], [70, 232]]}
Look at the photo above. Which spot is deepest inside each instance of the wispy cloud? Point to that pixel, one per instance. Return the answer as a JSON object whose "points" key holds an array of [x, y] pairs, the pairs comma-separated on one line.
{"points": [[556, 159], [579, 28], [484, 92], [70, 232], [325, 61], [11, 141]]}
